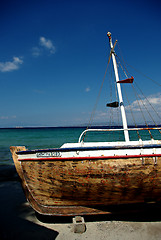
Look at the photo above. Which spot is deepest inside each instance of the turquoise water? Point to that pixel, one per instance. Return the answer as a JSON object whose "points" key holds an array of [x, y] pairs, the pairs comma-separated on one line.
{"points": [[39, 138]]}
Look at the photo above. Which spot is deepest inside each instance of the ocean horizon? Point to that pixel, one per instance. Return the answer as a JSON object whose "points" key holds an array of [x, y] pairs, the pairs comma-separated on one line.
{"points": [[79, 126]]}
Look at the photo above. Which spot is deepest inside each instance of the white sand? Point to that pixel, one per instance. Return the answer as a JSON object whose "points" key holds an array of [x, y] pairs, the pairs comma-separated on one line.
{"points": [[18, 221]]}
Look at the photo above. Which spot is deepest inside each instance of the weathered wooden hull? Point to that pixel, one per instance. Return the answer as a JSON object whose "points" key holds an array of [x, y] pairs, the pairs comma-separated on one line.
{"points": [[76, 186]]}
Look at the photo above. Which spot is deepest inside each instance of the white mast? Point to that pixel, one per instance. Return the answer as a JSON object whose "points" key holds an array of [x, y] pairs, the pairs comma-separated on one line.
{"points": [[124, 121]]}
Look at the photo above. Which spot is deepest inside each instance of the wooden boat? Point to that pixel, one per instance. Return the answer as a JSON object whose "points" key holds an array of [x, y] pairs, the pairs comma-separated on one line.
{"points": [[84, 178]]}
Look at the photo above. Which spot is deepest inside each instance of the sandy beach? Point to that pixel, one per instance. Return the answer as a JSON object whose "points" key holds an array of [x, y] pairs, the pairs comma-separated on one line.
{"points": [[19, 221]]}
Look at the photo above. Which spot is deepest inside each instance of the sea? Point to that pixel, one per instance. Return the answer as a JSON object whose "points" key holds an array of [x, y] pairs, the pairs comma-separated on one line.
{"points": [[54, 137]]}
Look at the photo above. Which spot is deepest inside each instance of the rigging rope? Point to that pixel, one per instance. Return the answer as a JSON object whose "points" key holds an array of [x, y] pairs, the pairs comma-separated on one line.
{"points": [[148, 101], [135, 68], [145, 75], [151, 107], [122, 60], [118, 109], [111, 109], [141, 110], [140, 91], [136, 95], [122, 67], [95, 106], [132, 113]]}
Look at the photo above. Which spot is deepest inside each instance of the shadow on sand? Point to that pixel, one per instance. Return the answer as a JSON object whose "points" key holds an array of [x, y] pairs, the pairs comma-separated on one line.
{"points": [[14, 215]]}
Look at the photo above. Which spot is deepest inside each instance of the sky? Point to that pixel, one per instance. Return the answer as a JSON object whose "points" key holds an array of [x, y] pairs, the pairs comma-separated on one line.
{"points": [[54, 53]]}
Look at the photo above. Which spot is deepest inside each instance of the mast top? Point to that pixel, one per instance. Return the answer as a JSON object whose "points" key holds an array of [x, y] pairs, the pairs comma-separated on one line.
{"points": [[109, 36]]}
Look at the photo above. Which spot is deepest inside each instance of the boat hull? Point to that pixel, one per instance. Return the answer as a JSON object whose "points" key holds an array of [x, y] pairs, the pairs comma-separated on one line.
{"points": [[86, 186]]}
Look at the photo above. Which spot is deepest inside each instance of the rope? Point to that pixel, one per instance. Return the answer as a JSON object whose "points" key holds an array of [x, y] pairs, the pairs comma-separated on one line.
{"points": [[111, 109], [151, 107], [140, 90], [125, 90], [145, 75], [122, 60], [95, 106], [122, 67], [141, 109], [148, 101], [135, 68], [132, 113], [136, 95]]}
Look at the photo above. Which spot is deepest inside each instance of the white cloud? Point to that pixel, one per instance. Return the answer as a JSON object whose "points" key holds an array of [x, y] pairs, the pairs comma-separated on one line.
{"points": [[155, 100], [44, 44], [148, 102], [11, 66], [150, 108], [47, 43], [7, 117], [87, 89], [36, 51], [4, 117], [38, 91]]}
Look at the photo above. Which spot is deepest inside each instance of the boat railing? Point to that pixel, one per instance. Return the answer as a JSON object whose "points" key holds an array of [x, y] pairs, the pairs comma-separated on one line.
{"points": [[115, 129]]}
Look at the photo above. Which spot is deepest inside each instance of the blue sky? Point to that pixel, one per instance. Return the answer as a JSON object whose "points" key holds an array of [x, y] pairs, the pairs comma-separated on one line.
{"points": [[53, 55]]}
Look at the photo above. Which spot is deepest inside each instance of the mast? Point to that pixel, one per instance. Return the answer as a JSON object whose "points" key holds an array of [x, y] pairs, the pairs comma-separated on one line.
{"points": [[123, 114]]}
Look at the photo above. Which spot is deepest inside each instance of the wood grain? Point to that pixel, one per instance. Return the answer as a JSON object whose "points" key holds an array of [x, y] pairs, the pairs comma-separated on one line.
{"points": [[74, 186]]}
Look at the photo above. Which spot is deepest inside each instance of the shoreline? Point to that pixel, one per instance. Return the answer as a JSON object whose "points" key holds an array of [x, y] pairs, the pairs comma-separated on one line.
{"points": [[76, 126]]}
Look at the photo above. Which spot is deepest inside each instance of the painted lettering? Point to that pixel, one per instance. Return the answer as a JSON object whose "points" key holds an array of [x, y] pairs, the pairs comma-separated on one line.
{"points": [[48, 154]]}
